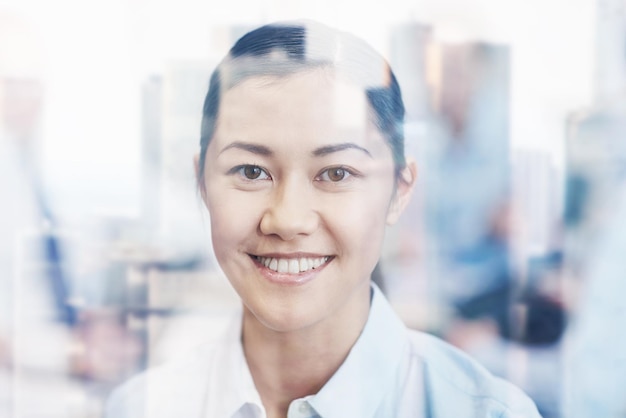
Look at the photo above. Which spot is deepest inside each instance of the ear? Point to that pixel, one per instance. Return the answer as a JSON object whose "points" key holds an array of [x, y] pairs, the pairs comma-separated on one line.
{"points": [[404, 190]]}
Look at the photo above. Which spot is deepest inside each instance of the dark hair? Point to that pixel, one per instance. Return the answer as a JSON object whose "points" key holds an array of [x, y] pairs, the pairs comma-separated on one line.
{"points": [[287, 48]]}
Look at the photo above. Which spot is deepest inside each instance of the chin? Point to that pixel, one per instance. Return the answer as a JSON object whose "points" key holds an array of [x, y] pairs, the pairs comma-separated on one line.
{"points": [[284, 320]]}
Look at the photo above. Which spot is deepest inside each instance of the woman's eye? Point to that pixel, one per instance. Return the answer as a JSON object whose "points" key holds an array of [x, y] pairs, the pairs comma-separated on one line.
{"points": [[252, 172], [335, 174]]}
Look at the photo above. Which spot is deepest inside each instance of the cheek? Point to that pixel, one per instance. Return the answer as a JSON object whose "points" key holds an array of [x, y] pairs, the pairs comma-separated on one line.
{"points": [[372, 230], [359, 222], [233, 222]]}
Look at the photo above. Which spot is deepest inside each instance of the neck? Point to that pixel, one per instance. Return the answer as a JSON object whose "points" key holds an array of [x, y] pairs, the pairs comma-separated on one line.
{"points": [[294, 364]]}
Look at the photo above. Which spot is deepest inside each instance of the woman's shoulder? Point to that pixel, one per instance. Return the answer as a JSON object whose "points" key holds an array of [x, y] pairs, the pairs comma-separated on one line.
{"points": [[167, 389], [454, 382]]}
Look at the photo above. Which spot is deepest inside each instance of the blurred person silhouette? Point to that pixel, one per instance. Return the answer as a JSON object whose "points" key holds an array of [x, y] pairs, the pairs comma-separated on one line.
{"points": [[468, 214], [467, 206], [518, 334], [25, 211], [301, 168], [595, 341], [41, 333], [27, 307]]}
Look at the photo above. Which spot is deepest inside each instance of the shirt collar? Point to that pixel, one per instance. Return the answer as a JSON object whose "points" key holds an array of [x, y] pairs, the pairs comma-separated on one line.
{"points": [[233, 392], [358, 387]]}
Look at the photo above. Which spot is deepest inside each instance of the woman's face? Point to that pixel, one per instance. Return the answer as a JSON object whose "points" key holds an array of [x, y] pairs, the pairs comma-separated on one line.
{"points": [[299, 186]]}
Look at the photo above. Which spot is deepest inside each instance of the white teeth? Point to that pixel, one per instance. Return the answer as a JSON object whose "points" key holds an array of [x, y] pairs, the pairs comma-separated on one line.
{"points": [[292, 265], [283, 266], [304, 264]]}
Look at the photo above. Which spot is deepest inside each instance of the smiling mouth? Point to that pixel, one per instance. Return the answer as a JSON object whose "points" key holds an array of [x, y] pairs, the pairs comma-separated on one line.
{"points": [[292, 265]]}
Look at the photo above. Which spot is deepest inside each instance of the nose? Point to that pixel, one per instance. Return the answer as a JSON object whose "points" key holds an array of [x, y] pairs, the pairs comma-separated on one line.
{"points": [[290, 212]]}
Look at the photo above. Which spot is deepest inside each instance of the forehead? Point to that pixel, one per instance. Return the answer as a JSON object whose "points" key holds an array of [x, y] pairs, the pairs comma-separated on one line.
{"points": [[305, 104]]}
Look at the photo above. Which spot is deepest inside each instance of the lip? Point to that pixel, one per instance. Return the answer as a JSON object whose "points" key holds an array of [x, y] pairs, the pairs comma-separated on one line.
{"points": [[289, 279]]}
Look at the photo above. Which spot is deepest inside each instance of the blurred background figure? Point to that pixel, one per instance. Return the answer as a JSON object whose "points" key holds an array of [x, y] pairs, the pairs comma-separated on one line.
{"points": [[469, 176], [497, 312], [49, 344], [595, 220], [595, 364], [28, 318]]}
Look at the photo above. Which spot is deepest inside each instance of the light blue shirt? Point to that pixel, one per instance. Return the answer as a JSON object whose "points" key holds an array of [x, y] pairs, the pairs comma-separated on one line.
{"points": [[389, 372]]}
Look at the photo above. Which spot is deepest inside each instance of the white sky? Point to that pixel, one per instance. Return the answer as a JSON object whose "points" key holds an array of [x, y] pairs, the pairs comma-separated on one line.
{"points": [[104, 49]]}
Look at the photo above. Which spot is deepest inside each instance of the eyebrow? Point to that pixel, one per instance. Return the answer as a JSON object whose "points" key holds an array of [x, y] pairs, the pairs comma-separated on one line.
{"points": [[329, 149], [246, 146], [319, 152]]}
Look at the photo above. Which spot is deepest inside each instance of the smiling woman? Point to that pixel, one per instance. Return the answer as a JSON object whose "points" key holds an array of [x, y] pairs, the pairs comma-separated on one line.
{"points": [[302, 167]]}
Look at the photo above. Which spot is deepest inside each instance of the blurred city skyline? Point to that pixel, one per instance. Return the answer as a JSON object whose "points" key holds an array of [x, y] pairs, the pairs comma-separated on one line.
{"points": [[97, 55]]}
